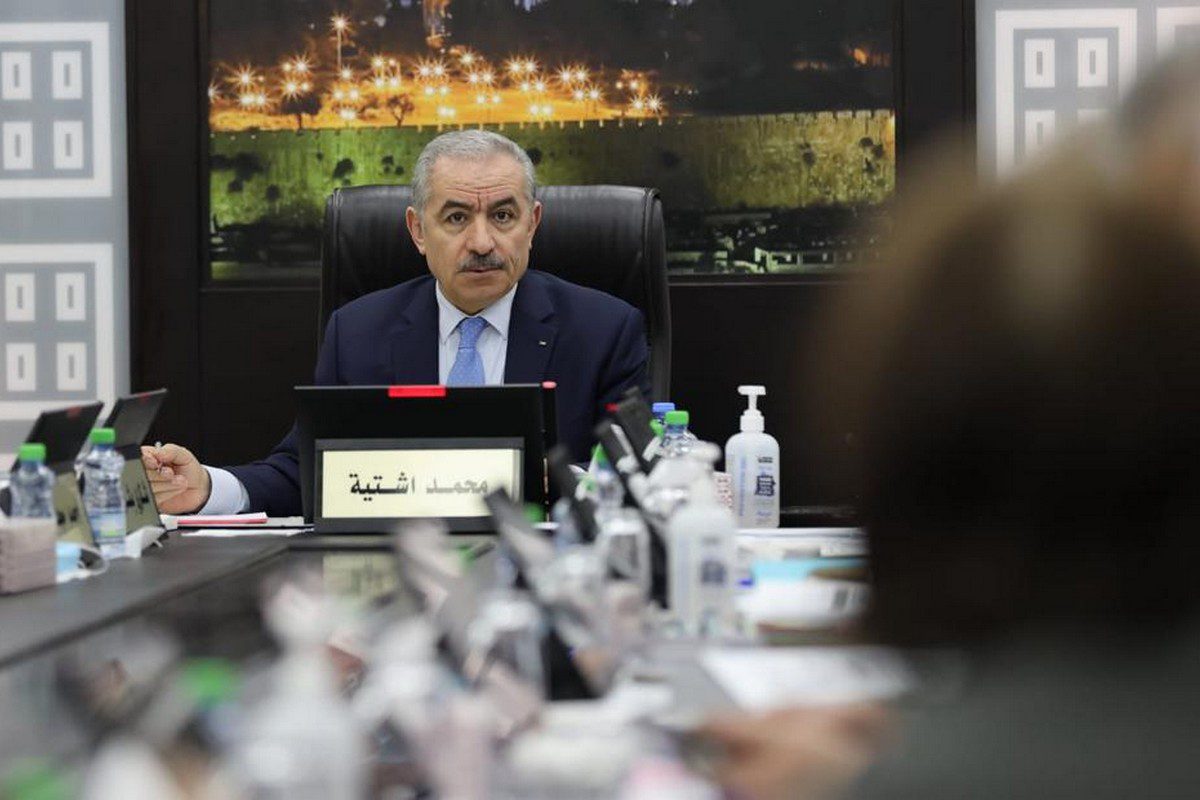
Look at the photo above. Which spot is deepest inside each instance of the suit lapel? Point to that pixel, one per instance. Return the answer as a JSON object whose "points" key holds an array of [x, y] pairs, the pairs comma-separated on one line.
{"points": [[415, 342], [531, 332]]}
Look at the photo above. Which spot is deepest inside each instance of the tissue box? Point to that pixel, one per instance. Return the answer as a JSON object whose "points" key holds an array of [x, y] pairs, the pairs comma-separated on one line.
{"points": [[27, 554]]}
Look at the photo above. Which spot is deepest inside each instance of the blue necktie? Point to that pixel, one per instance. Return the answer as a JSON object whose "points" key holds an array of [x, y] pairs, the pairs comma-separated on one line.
{"points": [[468, 366]]}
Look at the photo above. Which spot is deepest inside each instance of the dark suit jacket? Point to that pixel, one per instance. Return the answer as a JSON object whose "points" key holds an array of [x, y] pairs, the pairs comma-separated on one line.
{"points": [[591, 343]]}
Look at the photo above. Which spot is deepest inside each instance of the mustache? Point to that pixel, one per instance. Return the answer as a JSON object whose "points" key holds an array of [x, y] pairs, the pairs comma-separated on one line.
{"points": [[481, 262]]}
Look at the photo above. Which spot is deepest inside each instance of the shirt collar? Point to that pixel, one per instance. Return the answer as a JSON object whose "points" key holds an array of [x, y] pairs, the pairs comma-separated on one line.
{"points": [[497, 314]]}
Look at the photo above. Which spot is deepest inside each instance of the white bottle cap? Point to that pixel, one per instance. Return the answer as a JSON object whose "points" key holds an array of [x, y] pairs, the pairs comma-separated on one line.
{"points": [[752, 418]]}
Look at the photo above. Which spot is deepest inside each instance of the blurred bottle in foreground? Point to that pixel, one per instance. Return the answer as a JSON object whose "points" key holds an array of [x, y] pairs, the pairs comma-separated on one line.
{"points": [[703, 554], [301, 741]]}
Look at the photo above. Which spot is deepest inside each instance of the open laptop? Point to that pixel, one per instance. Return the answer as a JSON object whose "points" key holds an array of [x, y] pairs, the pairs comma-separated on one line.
{"points": [[130, 419], [64, 432], [374, 457]]}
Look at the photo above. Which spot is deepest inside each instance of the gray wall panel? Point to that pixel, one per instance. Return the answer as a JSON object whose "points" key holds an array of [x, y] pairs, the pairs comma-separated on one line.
{"points": [[64, 261], [1044, 67]]}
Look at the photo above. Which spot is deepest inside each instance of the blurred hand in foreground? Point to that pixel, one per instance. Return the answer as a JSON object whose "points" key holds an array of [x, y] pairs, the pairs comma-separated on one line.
{"points": [[809, 753]]}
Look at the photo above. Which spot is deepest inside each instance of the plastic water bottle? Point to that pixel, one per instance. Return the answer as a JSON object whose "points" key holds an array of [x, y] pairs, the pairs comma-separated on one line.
{"points": [[609, 494], [659, 410], [103, 498], [301, 740], [624, 540], [677, 440], [32, 484], [702, 558], [670, 482]]}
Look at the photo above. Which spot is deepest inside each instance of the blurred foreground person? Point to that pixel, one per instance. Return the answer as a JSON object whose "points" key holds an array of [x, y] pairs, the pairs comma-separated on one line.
{"points": [[1022, 380]]}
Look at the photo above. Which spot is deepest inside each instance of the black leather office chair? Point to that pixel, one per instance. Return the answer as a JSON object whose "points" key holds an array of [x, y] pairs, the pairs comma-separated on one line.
{"points": [[606, 237]]}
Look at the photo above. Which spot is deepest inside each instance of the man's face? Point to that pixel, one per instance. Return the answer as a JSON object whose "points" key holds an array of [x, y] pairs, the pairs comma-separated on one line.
{"points": [[476, 228]]}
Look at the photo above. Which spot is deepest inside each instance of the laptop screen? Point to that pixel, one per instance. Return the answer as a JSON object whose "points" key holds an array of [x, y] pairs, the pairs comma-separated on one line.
{"points": [[63, 432], [371, 457]]}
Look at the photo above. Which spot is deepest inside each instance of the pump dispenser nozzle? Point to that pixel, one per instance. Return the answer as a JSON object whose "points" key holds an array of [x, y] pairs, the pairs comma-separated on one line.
{"points": [[752, 418]]}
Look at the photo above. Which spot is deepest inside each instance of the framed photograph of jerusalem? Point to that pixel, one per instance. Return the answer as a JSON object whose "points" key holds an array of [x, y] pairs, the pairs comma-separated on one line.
{"points": [[768, 125]]}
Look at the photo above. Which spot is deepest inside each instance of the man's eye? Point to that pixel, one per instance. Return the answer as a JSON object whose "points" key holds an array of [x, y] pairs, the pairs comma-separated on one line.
{"points": [[505, 215], [457, 218]]}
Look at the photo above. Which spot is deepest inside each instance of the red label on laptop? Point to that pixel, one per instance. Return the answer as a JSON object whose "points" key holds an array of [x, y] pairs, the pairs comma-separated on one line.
{"points": [[417, 391]]}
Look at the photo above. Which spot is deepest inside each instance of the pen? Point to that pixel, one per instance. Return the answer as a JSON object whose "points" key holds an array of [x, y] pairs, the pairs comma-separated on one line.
{"points": [[158, 446]]}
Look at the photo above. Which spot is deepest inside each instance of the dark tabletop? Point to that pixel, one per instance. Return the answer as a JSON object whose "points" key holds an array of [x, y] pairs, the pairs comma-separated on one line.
{"points": [[37, 621]]}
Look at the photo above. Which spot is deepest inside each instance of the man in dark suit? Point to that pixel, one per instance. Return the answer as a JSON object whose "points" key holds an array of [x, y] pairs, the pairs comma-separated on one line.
{"points": [[479, 318]]}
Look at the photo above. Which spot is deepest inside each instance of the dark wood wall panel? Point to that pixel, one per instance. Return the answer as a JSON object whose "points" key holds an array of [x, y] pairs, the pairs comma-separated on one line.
{"points": [[935, 74], [256, 345], [728, 335], [163, 81]]}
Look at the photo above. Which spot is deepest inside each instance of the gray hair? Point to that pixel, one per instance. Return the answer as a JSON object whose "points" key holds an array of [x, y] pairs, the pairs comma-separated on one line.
{"points": [[473, 145]]}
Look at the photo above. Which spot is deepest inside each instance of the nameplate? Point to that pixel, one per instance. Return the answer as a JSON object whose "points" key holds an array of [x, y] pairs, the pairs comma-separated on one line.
{"points": [[414, 478]]}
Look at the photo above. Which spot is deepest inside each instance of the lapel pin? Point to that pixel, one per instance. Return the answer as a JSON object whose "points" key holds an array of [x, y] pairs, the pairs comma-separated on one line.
{"points": [[542, 342]]}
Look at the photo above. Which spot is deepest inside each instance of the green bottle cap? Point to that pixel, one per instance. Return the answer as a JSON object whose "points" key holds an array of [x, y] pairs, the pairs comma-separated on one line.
{"points": [[210, 681], [657, 427], [599, 456], [104, 436], [32, 451], [534, 513], [676, 418], [35, 779]]}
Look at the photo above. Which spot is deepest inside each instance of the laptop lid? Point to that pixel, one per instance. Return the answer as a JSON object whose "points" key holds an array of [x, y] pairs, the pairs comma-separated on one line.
{"points": [[63, 432], [131, 419], [372, 457], [634, 415]]}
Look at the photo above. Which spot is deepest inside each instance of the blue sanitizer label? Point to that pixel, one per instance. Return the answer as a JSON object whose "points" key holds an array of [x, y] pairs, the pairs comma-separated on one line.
{"points": [[765, 483], [713, 573]]}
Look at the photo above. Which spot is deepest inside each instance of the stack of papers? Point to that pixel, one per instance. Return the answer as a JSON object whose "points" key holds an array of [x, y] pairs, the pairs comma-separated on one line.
{"points": [[777, 544], [234, 533], [762, 679], [804, 606], [234, 525]]}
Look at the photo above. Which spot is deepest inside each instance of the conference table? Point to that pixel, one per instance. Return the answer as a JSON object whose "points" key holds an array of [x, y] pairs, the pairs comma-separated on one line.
{"points": [[199, 597]]}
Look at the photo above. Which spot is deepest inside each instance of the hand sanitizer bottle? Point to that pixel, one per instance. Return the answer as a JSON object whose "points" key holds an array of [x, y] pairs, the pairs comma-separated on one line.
{"points": [[752, 461]]}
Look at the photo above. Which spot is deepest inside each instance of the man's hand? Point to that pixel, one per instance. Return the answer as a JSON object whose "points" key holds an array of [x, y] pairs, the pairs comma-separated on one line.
{"points": [[805, 753], [180, 484]]}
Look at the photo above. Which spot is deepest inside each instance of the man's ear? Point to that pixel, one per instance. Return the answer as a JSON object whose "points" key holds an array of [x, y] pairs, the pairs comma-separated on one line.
{"points": [[536, 219], [413, 220]]}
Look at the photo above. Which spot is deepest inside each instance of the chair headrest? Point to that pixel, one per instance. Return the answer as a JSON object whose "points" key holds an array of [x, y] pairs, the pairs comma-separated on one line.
{"points": [[591, 235]]}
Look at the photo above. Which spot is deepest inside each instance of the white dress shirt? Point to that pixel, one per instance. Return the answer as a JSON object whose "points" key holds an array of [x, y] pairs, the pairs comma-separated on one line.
{"points": [[229, 496]]}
